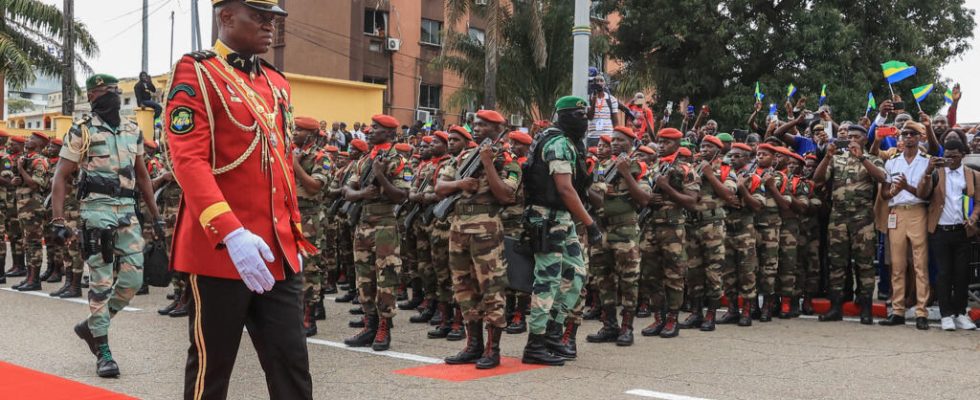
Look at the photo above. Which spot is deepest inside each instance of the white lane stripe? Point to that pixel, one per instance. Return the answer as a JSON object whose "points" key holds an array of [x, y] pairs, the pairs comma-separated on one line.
{"points": [[367, 350], [73, 300], [660, 395], [856, 319]]}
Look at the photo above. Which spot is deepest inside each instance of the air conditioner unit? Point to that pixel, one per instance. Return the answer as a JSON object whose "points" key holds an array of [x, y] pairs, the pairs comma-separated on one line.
{"points": [[423, 115], [516, 120], [393, 44], [480, 2]]}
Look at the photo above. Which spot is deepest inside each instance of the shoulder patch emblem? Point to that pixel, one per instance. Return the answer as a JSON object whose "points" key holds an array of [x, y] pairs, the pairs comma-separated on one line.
{"points": [[181, 120], [183, 87]]}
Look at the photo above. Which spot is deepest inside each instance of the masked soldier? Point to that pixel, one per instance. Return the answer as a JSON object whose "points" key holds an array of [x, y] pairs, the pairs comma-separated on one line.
{"points": [[109, 153]]}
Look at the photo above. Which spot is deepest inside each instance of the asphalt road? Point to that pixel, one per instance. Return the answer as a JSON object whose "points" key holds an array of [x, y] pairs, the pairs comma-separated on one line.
{"points": [[795, 359]]}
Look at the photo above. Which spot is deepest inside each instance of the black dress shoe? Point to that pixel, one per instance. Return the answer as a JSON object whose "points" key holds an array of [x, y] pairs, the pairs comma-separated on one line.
{"points": [[892, 320], [921, 323]]}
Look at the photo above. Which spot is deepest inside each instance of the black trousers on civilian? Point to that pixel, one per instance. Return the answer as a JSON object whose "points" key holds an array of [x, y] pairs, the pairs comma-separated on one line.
{"points": [[951, 250], [219, 309]]}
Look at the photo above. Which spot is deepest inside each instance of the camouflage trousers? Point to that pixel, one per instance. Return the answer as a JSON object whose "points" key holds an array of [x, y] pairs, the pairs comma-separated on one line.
{"points": [[426, 272], [852, 239], [106, 298], [808, 280], [439, 244], [409, 254], [615, 265], [788, 268], [705, 262], [663, 265], [312, 266], [570, 281], [345, 249], [71, 253], [377, 263], [476, 260], [741, 263], [767, 247], [328, 244], [31, 226], [14, 232], [559, 274]]}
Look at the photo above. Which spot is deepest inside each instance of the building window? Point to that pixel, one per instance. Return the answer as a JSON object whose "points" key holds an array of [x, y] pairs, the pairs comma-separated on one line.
{"points": [[431, 32], [279, 37], [375, 22], [477, 35], [429, 96]]}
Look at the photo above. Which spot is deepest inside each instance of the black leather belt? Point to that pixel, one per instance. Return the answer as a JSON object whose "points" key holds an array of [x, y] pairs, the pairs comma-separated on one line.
{"points": [[949, 228]]}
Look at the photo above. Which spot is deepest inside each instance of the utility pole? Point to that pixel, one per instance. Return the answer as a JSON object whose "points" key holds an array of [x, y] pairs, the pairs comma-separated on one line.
{"points": [[580, 50], [195, 28], [146, 36], [68, 60], [171, 59]]}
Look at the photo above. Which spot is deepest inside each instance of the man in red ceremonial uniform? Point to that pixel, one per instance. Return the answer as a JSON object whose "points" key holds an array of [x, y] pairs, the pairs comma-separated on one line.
{"points": [[229, 128]]}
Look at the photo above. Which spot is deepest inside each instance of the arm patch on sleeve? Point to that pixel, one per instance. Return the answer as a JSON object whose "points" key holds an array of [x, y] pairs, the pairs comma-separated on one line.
{"points": [[181, 120]]}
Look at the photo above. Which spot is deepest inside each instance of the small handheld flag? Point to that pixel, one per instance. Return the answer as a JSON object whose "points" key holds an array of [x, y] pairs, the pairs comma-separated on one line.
{"points": [[948, 96], [823, 94], [758, 93], [790, 91], [872, 104], [895, 71], [772, 109], [921, 92]]}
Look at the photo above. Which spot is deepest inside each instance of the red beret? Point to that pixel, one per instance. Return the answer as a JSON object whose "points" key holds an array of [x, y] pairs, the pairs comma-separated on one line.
{"points": [[18, 139], [405, 147], [471, 145], [520, 137], [386, 121], [331, 148], [57, 142], [151, 144], [810, 156], [606, 138], [593, 149], [4, 133], [41, 136], [359, 144], [784, 151], [461, 131], [426, 139], [490, 116], [684, 152], [670, 133], [306, 123], [343, 154], [626, 131], [647, 149], [741, 146], [797, 157], [713, 140], [542, 123], [767, 147], [442, 135]]}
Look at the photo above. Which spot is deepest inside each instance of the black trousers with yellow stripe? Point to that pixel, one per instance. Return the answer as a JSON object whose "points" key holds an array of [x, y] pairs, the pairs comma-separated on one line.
{"points": [[220, 308]]}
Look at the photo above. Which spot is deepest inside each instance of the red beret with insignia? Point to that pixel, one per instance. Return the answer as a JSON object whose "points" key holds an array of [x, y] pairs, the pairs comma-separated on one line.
{"points": [[426, 139], [684, 152]]}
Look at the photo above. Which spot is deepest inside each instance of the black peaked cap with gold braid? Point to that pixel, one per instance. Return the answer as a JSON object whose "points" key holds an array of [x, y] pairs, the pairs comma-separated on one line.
{"points": [[261, 5]]}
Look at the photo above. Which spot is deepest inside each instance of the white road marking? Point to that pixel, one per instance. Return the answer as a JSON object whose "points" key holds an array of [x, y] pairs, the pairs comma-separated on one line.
{"points": [[74, 300], [367, 350], [856, 319], [660, 395]]}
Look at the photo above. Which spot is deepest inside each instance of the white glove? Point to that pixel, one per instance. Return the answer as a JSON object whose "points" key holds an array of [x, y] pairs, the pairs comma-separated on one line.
{"points": [[247, 251]]}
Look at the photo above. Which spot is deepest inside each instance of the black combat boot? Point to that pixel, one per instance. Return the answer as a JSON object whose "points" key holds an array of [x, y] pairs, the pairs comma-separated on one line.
{"points": [[731, 315], [443, 312], [319, 310], [554, 330], [105, 366], [456, 331], [347, 297], [183, 305], [670, 326], [766, 314], [625, 337], [68, 277], [56, 275], [835, 313], [382, 338], [356, 310], [643, 310], [83, 332], [16, 270], [417, 296], [708, 324], [518, 323], [535, 352], [173, 304], [568, 339], [554, 343], [309, 323], [32, 282], [49, 271], [401, 293], [441, 331], [746, 317], [866, 304], [491, 351], [358, 323], [144, 290], [657, 326], [610, 327], [596, 310], [3, 276], [365, 337], [74, 288], [474, 345], [695, 318], [428, 310], [807, 304]]}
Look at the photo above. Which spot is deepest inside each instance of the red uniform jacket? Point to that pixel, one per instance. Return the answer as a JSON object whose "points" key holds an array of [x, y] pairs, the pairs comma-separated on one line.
{"points": [[230, 177]]}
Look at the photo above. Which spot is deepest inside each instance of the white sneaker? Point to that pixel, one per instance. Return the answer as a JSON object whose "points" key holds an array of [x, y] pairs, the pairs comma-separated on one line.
{"points": [[948, 324], [964, 322]]}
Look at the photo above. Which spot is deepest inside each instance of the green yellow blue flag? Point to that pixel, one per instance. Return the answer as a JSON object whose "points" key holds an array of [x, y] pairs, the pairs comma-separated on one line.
{"points": [[872, 104], [758, 93], [921, 92], [790, 90], [948, 96], [895, 71], [823, 94]]}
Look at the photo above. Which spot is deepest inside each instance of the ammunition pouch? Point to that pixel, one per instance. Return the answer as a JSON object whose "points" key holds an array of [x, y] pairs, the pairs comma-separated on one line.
{"points": [[538, 234], [98, 241]]}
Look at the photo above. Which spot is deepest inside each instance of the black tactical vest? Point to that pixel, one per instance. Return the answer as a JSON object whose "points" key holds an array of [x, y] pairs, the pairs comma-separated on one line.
{"points": [[539, 186]]}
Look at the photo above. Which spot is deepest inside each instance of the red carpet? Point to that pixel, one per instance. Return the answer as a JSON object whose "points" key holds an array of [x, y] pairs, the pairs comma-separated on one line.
{"points": [[468, 372], [22, 383]]}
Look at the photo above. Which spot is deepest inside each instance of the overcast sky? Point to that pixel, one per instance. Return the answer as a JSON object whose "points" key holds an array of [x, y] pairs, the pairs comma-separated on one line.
{"points": [[118, 31]]}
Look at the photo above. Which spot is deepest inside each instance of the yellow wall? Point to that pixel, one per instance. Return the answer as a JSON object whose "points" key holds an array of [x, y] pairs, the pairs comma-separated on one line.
{"points": [[332, 100]]}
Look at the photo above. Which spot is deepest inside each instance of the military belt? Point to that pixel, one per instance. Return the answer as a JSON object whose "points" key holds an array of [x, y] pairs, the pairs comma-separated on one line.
{"points": [[307, 203], [709, 215], [668, 215], [621, 219], [110, 190], [472, 209], [379, 208]]}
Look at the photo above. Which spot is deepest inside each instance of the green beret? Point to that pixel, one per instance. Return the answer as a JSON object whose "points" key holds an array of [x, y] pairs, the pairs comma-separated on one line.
{"points": [[725, 137], [99, 80], [569, 102], [686, 143]]}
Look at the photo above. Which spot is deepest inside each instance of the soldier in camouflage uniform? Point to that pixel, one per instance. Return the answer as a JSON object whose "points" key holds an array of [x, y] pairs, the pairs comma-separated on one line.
{"points": [[741, 263], [615, 262], [854, 175], [13, 231], [410, 277], [5, 165], [663, 263], [790, 236], [377, 257], [345, 246], [326, 240], [518, 302], [768, 222], [597, 167], [476, 237], [704, 287], [70, 254], [433, 152], [311, 177], [556, 185], [32, 187], [54, 252], [167, 193], [808, 283], [109, 152]]}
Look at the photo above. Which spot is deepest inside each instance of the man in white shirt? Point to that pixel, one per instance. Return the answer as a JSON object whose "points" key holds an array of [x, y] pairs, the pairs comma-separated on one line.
{"points": [[948, 184], [603, 111], [907, 225]]}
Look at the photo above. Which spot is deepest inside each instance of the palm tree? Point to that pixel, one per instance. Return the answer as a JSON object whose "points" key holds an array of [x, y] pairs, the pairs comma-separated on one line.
{"points": [[28, 29]]}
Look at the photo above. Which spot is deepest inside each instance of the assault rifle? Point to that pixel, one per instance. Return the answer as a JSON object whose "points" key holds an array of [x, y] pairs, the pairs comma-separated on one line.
{"points": [[469, 168], [353, 208]]}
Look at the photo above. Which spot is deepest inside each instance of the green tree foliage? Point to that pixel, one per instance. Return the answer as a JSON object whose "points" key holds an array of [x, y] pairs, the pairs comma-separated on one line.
{"points": [[714, 52], [27, 29]]}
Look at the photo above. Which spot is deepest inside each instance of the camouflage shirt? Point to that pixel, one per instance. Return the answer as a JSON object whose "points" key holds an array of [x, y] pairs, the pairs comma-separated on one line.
{"points": [[854, 188], [709, 200], [507, 169], [617, 193], [105, 153], [398, 173], [30, 199], [679, 174], [307, 159]]}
